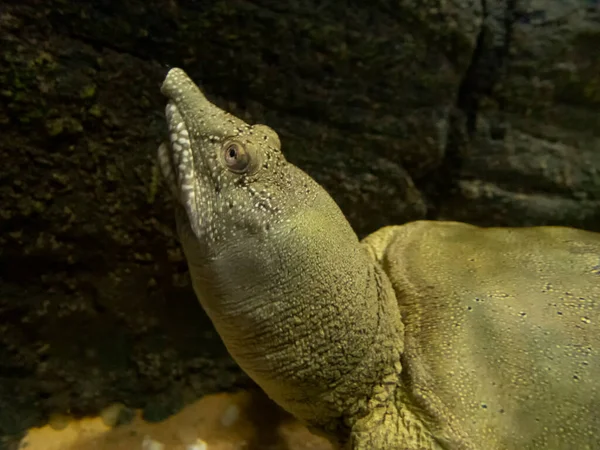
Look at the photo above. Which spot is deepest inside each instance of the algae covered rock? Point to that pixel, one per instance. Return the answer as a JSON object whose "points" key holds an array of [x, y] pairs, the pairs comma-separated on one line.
{"points": [[533, 153]]}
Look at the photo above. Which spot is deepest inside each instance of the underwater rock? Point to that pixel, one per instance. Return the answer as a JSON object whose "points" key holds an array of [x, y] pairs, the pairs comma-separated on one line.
{"points": [[531, 104], [196, 427]]}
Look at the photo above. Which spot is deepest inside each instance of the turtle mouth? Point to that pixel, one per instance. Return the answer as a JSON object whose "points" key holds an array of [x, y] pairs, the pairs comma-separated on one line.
{"points": [[176, 161]]}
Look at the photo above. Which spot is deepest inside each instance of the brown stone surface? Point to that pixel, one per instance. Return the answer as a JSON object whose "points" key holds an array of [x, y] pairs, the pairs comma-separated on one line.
{"points": [[216, 422]]}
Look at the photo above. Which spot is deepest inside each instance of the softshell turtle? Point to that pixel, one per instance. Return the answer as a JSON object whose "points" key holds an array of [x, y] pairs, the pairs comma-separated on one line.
{"points": [[429, 335]]}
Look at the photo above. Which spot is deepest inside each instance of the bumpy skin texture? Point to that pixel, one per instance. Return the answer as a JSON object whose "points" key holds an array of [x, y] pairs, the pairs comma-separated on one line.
{"points": [[501, 329], [427, 336]]}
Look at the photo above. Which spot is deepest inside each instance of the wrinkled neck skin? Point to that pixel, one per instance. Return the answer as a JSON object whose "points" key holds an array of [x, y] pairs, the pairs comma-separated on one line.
{"points": [[306, 312]]}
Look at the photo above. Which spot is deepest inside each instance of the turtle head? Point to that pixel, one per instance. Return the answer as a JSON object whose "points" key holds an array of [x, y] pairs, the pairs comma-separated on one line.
{"points": [[230, 178]]}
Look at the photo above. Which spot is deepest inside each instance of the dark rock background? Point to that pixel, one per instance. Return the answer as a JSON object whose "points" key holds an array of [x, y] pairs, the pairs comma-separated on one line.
{"points": [[482, 111]]}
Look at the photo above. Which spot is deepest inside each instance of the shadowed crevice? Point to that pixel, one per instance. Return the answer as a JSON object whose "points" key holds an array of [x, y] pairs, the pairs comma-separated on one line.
{"points": [[486, 68]]}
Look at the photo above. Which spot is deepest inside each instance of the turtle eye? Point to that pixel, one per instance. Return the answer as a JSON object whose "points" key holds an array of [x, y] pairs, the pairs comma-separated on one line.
{"points": [[236, 157]]}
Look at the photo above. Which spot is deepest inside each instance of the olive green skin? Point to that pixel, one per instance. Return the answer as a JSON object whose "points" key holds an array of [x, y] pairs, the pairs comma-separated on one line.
{"points": [[429, 335]]}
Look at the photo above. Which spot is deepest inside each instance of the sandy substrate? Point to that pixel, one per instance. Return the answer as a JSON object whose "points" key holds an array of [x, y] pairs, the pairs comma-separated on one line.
{"points": [[216, 422]]}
